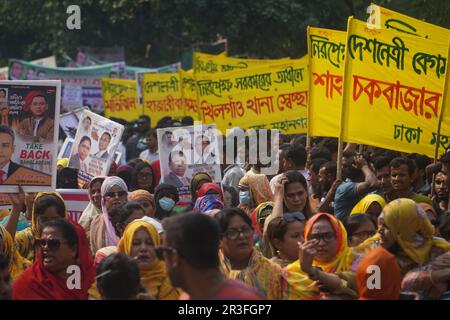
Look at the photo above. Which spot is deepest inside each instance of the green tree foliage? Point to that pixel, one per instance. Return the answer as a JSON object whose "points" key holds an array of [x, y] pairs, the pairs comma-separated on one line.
{"points": [[257, 29]]}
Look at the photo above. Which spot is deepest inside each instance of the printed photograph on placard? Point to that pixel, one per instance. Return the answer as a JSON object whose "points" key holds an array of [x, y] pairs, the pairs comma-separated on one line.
{"points": [[29, 134]]}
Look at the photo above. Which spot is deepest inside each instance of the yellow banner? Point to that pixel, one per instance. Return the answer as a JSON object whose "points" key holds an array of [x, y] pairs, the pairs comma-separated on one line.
{"points": [[326, 49], [189, 93], [270, 97], [393, 89], [119, 99], [396, 21], [161, 96], [211, 64]]}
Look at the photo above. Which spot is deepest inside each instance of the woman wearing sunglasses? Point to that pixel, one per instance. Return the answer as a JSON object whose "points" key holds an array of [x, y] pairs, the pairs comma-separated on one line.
{"points": [[326, 265], [46, 206], [99, 229], [284, 233], [359, 228], [239, 258], [62, 245], [139, 241]]}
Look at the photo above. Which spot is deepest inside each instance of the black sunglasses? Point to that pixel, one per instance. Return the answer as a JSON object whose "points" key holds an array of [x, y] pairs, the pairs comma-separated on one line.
{"points": [[52, 244], [161, 249], [296, 216], [116, 194]]}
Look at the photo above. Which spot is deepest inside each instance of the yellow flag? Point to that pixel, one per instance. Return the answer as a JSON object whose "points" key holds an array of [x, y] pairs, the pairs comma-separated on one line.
{"points": [[161, 96], [393, 89], [119, 99], [270, 97], [211, 64], [326, 50], [189, 93]]}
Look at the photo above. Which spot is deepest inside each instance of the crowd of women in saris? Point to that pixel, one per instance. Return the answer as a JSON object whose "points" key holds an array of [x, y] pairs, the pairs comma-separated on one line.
{"points": [[274, 242]]}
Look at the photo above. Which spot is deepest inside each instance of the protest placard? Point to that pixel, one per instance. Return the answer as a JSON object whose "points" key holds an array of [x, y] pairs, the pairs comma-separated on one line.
{"points": [[76, 200], [66, 148], [29, 134], [119, 99], [185, 151], [95, 144], [69, 122]]}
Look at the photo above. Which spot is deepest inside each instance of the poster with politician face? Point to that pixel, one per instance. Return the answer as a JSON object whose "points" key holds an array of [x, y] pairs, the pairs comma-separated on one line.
{"points": [[29, 134], [95, 144], [185, 151]]}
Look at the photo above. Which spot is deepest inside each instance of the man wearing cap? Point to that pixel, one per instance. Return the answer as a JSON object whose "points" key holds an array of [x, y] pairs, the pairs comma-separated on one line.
{"points": [[39, 127]]}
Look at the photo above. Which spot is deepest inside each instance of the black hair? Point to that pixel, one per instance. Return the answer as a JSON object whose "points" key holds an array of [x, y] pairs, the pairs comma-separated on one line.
{"points": [[3, 90], [4, 262], [331, 144], [107, 133], [67, 178], [161, 191], [47, 201], [7, 130], [317, 163], [85, 138], [120, 214], [349, 154], [297, 154], [187, 121], [151, 133], [196, 237], [145, 117], [136, 171], [399, 161], [320, 152], [299, 140], [381, 162], [179, 153], [66, 229], [330, 168], [353, 222], [123, 280], [224, 216], [444, 220], [295, 176], [277, 229], [445, 159], [421, 161], [88, 118]]}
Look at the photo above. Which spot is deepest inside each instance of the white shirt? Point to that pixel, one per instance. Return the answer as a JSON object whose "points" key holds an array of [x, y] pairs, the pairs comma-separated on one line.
{"points": [[5, 169], [149, 156], [36, 125]]}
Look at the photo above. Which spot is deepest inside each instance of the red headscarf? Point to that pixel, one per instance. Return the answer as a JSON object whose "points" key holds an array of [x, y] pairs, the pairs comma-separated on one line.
{"points": [[29, 98], [36, 283], [208, 187], [389, 276], [156, 171]]}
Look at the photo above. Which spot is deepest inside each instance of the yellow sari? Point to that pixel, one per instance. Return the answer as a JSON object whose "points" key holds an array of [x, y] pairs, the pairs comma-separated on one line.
{"points": [[154, 279], [364, 203], [24, 240], [17, 264], [300, 287]]}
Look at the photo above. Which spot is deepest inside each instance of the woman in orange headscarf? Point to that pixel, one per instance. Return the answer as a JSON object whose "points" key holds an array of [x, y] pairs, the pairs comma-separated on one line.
{"points": [[254, 189], [325, 261]]}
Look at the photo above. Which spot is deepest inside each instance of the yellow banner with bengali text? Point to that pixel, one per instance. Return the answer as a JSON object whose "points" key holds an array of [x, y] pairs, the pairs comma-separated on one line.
{"points": [[388, 19], [270, 97], [393, 89], [161, 96], [210, 64], [326, 49], [119, 99], [189, 93]]}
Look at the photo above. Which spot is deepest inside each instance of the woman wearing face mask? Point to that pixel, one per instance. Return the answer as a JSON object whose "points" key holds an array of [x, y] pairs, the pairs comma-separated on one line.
{"points": [[254, 189], [326, 264], [139, 241], [166, 196], [99, 229], [94, 207]]}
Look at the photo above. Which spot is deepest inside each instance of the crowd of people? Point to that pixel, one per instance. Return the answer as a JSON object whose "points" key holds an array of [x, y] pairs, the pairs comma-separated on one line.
{"points": [[381, 231]]}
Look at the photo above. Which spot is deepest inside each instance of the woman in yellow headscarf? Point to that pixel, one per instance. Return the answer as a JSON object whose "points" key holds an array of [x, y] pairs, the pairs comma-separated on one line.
{"points": [[17, 264], [371, 204], [46, 206], [139, 241], [405, 230], [325, 257]]}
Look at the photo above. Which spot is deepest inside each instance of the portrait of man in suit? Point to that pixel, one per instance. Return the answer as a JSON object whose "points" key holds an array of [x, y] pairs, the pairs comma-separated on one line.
{"points": [[7, 147], [177, 166], [79, 159], [38, 126], [103, 144]]}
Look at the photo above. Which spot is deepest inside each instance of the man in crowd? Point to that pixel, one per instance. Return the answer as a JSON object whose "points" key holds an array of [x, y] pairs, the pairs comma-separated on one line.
{"points": [[445, 160], [137, 143], [359, 181], [191, 253], [152, 153], [327, 186], [295, 159], [383, 173], [103, 144], [420, 184], [402, 175]]}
